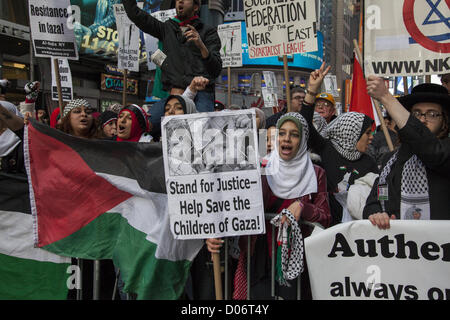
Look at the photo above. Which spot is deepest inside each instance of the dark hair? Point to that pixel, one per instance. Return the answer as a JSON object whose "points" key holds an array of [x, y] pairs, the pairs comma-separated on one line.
{"points": [[444, 129], [296, 89], [66, 127]]}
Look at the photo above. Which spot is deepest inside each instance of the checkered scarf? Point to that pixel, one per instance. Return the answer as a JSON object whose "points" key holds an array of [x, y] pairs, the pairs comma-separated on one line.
{"points": [[75, 104], [414, 193], [290, 257], [344, 133]]}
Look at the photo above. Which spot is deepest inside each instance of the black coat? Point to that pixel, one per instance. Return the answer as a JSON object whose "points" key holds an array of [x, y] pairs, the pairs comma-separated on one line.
{"points": [[434, 154], [335, 165], [184, 60]]}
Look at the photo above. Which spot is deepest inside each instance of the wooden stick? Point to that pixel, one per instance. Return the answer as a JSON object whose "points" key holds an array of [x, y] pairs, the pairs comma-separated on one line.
{"points": [[124, 92], [405, 86], [58, 86], [376, 103], [217, 276], [287, 82]]}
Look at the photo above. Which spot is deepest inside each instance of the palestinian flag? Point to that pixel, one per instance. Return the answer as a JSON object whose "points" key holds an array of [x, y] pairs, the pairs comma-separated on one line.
{"points": [[97, 199], [26, 272]]}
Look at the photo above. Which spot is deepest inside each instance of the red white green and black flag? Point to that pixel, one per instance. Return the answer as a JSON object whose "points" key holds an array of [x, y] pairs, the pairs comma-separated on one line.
{"points": [[96, 199]]}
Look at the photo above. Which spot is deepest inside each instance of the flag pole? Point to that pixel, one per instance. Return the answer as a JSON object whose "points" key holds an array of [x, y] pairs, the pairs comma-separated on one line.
{"points": [[375, 102], [124, 91], [287, 83], [217, 275], [58, 86]]}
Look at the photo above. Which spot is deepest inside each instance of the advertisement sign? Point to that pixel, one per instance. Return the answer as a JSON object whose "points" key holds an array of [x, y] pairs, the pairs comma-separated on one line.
{"points": [[115, 84]]}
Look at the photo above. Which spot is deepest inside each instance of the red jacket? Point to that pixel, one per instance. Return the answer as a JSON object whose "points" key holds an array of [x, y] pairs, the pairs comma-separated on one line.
{"points": [[315, 206]]}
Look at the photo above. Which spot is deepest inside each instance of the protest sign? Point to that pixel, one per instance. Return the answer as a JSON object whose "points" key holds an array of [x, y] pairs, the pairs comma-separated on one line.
{"points": [[128, 53], [403, 38], [409, 261], [65, 78], [212, 175], [330, 84], [280, 28], [269, 92], [49, 30], [231, 49]]}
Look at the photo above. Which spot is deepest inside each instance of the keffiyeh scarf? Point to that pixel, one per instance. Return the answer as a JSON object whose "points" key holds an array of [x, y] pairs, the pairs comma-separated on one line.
{"points": [[414, 193], [290, 248], [344, 133]]}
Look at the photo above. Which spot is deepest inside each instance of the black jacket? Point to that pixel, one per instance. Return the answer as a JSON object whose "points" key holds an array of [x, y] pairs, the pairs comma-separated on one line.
{"points": [[435, 155], [184, 60]]}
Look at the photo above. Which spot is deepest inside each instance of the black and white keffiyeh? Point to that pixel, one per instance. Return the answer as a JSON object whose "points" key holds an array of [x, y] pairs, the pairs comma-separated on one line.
{"points": [[291, 240], [75, 104], [414, 193], [320, 124], [344, 133]]}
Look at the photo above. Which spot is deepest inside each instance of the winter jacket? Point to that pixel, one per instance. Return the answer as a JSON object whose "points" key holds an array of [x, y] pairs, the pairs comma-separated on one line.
{"points": [[184, 60], [434, 154]]}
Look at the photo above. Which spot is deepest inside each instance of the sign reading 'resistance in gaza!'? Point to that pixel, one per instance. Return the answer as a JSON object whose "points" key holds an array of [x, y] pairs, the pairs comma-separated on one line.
{"points": [[277, 28]]}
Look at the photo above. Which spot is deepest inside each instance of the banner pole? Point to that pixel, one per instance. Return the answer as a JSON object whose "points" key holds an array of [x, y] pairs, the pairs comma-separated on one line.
{"points": [[428, 78], [217, 275], [287, 83], [405, 86], [96, 284], [229, 86], [376, 103], [58, 86], [124, 91]]}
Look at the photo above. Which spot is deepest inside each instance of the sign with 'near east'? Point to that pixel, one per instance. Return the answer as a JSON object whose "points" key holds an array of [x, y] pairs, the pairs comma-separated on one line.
{"points": [[277, 28]]}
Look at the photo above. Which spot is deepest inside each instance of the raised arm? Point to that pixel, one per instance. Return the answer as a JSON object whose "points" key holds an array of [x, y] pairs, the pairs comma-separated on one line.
{"points": [[143, 20], [10, 120]]}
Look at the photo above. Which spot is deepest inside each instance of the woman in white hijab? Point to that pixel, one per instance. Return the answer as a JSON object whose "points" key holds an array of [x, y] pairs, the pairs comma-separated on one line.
{"points": [[295, 188]]}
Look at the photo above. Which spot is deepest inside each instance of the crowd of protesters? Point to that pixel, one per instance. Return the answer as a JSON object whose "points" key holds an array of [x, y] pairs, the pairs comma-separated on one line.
{"points": [[330, 169]]}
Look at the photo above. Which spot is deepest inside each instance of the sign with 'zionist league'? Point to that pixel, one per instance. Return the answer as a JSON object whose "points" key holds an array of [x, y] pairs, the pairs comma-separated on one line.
{"points": [[407, 37], [213, 178], [51, 34], [277, 28], [408, 261]]}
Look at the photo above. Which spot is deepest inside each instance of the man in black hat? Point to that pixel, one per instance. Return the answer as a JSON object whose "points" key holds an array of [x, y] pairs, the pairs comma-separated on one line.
{"points": [[418, 173]]}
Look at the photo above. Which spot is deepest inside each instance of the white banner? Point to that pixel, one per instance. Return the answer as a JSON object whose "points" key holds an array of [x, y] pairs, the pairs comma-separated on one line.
{"points": [[52, 37], [212, 174], [280, 28], [128, 53], [407, 37], [231, 49], [151, 43], [66, 81], [409, 261]]}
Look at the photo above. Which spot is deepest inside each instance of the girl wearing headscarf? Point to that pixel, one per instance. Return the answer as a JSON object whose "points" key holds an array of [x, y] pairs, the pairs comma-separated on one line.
{"points": [[108, 124], [342, 151], [414, 182], [133, 124], [77, 120], [295, 189]]}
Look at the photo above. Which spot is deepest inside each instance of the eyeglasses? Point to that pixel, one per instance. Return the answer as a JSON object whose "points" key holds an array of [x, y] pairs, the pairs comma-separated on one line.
{"points": [[299, 97], [323, 104], [429, 115]]}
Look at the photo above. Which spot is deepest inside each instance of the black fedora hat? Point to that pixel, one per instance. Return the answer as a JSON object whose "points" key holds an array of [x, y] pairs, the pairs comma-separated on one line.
{"points": [[427, 92]]}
